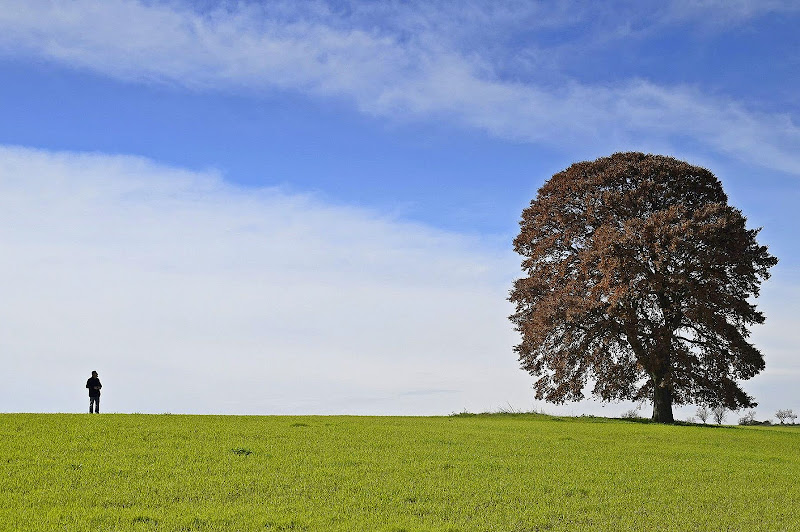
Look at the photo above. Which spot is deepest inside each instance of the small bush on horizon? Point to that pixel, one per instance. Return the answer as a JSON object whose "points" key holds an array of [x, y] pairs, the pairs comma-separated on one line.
{"points": [[633, 413], [703, 413], [509, 409], [786, 415], [502, 411], [749, 419]]}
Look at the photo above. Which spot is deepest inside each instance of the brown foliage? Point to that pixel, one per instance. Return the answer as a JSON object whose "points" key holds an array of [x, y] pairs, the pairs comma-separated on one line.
{"points": [[639, 277]]}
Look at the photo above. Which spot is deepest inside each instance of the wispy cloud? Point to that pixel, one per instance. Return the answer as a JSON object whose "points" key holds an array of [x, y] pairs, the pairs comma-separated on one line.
{"points": [[725, 12], [191, 295], [419, 66]]}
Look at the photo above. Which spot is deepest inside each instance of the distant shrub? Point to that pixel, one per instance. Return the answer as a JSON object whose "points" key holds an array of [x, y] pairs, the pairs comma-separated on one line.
{"points": [[509, 409], [786, 416], [749, 419], [691, 419], [703, 413], [463, 413], [631, 414]]}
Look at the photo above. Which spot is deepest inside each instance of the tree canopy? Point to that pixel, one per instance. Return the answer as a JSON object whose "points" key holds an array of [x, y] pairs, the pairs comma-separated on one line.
{"points": [[639, 278]]}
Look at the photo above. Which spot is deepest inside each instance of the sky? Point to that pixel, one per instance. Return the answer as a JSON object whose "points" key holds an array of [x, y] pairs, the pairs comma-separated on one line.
{"points": [[307, 207]]}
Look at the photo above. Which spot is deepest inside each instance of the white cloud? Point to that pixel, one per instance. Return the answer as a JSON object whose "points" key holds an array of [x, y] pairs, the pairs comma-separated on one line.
{"points": [[778, 338], [191, 295], [416, 66]]}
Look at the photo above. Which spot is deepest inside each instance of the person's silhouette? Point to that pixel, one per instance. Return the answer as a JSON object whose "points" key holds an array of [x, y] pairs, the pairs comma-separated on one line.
{"points": [[94, 393]]}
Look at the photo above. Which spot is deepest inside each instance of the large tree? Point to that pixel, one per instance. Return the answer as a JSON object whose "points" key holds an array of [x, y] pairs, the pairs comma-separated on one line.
{"points": [[639, 278]]}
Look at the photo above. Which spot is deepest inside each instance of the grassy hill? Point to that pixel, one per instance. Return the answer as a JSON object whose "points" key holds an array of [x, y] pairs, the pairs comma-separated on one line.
{"points": [[467, 473]]}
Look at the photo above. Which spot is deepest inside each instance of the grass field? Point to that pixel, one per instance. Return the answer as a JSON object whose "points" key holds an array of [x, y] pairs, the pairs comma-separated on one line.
{"points": [[468, 473]]}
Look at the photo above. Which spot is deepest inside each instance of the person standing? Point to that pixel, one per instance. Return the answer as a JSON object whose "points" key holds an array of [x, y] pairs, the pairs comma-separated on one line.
{"points": [[94, 393]]}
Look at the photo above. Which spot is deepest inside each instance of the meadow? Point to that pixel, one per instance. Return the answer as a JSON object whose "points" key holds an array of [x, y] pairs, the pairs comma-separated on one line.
{"points": [[506, 472]]}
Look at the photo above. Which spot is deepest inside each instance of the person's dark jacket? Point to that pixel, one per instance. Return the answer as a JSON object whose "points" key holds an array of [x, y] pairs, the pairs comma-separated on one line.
{"points": [[94, 386]]}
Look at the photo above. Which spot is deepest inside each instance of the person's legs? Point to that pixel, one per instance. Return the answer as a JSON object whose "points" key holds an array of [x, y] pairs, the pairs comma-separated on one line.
{"points": [[91, 405], [94, 405]]}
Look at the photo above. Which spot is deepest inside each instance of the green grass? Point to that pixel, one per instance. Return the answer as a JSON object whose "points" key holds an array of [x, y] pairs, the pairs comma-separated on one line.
{"points": [[468, 473]]}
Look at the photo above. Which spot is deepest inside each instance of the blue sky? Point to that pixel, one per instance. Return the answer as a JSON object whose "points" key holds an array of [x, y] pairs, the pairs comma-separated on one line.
{"points": [[311, 203]]}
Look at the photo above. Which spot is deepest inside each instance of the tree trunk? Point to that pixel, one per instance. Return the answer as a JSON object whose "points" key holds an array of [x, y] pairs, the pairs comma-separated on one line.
{"points": [[662, 402]]}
